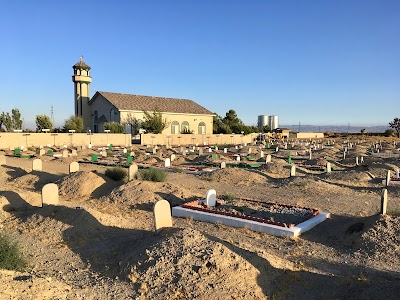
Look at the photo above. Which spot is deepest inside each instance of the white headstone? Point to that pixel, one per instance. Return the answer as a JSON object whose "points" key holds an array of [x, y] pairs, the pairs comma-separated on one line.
{"points": [[223, 165], [173, 157], [200, 151], [132, 171], [103, 153], [397, 174], [388, 178], [50, 194], [328, 167], [42, 152], [154, 150], [225, 150], [268, 159], [167, 163], [293, 171], [362, 159], [162, 215], [238, 158], [357, 161], [211, 198], [384, 198], [37, 165], [74, 152], [261, 154], [125, 151], [73, 167]]}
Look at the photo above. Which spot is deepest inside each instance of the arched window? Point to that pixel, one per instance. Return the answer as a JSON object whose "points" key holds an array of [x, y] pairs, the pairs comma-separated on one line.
{"points": [[202, 128], [185, 127], [112, 115], [174, 127], [96, 116]]}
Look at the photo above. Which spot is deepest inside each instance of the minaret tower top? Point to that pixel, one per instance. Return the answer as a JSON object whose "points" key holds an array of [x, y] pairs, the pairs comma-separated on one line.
{"points": [[82, 80]]}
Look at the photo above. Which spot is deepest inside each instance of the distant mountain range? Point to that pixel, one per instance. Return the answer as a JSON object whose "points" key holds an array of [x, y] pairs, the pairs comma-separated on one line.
{"points": [[335, 128]]}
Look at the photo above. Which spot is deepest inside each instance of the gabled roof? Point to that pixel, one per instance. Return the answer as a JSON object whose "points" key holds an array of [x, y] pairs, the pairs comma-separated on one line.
{"points": [[81, 64], [149, 103]]}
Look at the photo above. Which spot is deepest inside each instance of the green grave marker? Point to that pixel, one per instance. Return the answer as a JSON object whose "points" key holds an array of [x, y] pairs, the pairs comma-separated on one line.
{"points": [[49, 151], [17, 151], [129, 159], [213, 156], [110, 147], [268, 146], [94, 157]]}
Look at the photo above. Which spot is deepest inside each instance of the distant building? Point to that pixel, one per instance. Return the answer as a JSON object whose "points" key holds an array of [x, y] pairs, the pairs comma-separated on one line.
{"points": [[181, 114], [271, 121]]}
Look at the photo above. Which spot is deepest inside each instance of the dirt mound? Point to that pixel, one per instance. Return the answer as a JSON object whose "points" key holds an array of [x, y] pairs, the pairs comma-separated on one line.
{"points": [[355, 177], [27, 181], [382, 241], [234, 176], [189, 265], [318, 162], [136, 193], [277, 166], [80, 184]]}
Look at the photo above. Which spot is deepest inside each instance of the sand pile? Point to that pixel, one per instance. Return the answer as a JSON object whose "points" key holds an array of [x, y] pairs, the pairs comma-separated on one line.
{"points": [[80, 184], [188, 265], [234, 176], [382, 241], [135, 193]]}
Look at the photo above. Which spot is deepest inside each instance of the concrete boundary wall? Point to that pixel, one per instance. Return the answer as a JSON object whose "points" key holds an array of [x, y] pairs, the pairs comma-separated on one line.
{"points": [[192, 139], [15, 140]]}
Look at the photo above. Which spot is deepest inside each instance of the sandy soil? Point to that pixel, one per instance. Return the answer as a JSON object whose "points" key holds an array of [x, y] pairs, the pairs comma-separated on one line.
{"points": [[99, 243]]}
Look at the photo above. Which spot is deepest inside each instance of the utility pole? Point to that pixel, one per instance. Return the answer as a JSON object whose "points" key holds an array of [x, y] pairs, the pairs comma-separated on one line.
{"points": [[52, 115]]}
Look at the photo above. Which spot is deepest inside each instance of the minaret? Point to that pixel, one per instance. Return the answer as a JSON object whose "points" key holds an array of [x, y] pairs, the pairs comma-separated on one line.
{"points": [[82, 80]]}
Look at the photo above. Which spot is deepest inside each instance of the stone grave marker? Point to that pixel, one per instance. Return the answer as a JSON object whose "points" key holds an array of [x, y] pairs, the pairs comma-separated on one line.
{"points": [[384, 199], [200, 151], [73, 167], [397, 174], [173, 157], [249, 150], [125, 150], [50, 194], [276, 149], [74, 152], [65, 153], [388, 178], [154, 150], [357, 161], [362, 159], [328, 167], [293, 171], [223, 165], [268, 159], [103, 153], [184, 152], [132, 171], [238, 158], [162, 215], [213, 156], [167, 163], [89, 146], [42, 152], [216, 148], [132, 153], [2, 159], [261, 154], [310, 154], [37, 165], [344, 155], [225, 150], [209, 150], [211, 198]]}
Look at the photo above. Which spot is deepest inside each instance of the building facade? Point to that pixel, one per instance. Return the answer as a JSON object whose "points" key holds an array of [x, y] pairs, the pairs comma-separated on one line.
{"points": [[182, 115]]}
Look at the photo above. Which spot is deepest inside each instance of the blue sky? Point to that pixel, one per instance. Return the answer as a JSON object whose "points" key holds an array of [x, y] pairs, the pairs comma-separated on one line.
{"points": [[314, 62]]}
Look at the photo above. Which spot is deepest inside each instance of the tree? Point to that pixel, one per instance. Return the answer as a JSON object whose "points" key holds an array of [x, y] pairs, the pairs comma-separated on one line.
{"points": [[114, 127], [43, 122], [266, 129], [16, 119], [133, 122], [6, 121], [395, 124], [153, 122], [74, 123]]}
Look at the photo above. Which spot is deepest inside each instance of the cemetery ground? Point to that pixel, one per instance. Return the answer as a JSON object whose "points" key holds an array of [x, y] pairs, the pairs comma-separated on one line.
{"points": [[99, 241]]}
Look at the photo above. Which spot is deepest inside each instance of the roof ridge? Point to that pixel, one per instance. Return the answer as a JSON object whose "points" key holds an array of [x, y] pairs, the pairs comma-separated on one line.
{"points": [[147, 96]]}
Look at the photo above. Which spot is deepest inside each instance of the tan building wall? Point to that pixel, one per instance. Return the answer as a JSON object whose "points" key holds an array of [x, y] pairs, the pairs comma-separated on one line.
{"points": [[310, 135], [193, 139], [14, 140], [176, 121]]}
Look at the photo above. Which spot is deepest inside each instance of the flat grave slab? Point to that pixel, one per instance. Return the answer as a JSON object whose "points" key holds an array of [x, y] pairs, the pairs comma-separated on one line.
{"points": [[272, 218]]}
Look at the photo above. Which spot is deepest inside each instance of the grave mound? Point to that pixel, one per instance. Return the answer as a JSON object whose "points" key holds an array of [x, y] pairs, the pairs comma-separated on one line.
{"points": [[355, 177], [380, 169], [317, 162], [135, 193], [381, 242], [277, 167], [234, 176], [27, 181], [80, 184], [188, 265]]}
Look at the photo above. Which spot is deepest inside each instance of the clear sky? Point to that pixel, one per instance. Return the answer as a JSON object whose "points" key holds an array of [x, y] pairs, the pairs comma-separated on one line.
{"points": [[315, 62]]}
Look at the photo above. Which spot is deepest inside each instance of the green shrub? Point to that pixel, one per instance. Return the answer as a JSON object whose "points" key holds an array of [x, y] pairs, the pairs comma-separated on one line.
{"points": [[153, 174], [116, 173], [10, 255]]}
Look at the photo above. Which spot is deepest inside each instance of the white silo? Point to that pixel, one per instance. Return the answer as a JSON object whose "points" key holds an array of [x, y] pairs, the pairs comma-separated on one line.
{"points": [[273, 122], [262, 121]]}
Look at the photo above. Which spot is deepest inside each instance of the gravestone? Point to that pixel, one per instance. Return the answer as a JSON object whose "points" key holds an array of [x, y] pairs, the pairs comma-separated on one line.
{"points": [[94, 157], [154, 150], [310, 154], [344, 155], [181, 150], [167, 163], [216, 148], [225, 150], [384, 199], [42, 152], [73, 167], [388, 178], [293, 171], [50, 152], [74, 152], [184, 152], [276, 149], [125, 150], [50, 194], [162, 215], [37, 165], [2, 159], [213, 156], [238, 158], [89, 146], [362, 159], [223, 165], [65, 153], [103, 153], [211, 198], [173, 157], [249, 150], [261, 154], [357, 161], [17, 151], [209, 150], [132, 171], [397, 174], [268, 159], [200, 151], [129, 159], [328, 167]]}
